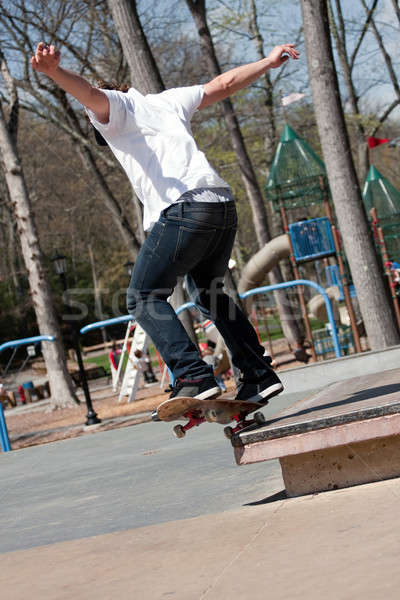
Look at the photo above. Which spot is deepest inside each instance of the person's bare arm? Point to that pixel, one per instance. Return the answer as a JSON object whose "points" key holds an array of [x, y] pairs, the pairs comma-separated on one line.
{"points": [[47, 61], [236, 79]]}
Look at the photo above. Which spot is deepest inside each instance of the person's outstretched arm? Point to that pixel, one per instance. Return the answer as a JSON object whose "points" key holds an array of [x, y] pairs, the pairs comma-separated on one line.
{"points": [[47, 61], [236, 79]]}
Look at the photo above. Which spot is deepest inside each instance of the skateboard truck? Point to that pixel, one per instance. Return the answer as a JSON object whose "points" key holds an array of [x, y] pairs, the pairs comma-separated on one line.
{"points": [[194, 421], [211, 410], [242, 423]]}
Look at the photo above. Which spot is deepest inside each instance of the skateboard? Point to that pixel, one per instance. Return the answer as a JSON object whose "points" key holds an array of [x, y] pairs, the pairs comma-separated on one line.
{"points": [[213, 410]]}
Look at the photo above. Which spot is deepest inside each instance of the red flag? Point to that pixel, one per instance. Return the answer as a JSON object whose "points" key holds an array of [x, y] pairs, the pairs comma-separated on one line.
{"points": [[373, 141]]}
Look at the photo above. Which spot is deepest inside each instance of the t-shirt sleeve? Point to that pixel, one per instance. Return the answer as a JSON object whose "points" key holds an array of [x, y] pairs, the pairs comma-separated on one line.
{"points": [[118, 114], [185, 99]]}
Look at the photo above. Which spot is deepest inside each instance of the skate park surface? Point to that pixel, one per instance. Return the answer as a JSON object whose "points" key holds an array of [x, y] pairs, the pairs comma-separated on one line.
{"points": [[135, 513]]}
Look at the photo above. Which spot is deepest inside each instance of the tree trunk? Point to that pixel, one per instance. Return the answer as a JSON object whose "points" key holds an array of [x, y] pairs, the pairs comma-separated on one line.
{"points": [[373, 299], [289, 323], [145, 75], [62, 392], [339, 35], [197, 8], [271, 137], [12, 252]]}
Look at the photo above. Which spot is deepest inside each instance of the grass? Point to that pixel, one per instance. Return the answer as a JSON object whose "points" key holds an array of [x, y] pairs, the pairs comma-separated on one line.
{"points": [[100, 361]]}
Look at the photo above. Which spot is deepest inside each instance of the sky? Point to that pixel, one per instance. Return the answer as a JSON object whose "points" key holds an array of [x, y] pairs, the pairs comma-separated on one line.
{"points": [[280, 21]]}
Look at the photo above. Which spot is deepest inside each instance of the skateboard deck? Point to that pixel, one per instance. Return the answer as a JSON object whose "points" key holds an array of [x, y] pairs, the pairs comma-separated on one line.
{"points": [[213, 410]]}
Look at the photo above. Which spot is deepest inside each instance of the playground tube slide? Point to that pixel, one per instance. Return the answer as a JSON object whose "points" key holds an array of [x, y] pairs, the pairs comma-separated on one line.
{"points": [[262, 262], [253, 275], [317, 308]]}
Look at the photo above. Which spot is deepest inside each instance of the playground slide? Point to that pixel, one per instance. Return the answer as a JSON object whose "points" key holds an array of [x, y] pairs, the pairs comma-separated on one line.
{"points": [[253, 275], [263, 261], [317, 308], [266, 259]]}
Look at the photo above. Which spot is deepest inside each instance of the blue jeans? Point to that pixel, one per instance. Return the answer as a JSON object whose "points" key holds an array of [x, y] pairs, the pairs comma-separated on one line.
{"points": [[193, 239]]}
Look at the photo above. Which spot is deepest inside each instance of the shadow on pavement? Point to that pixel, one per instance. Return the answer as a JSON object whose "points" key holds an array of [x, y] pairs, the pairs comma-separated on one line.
{"points": [[274, 498]]}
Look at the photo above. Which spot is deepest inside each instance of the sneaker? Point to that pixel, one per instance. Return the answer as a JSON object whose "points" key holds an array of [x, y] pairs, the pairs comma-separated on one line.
{"points": [[202, 389], [259, 390]]}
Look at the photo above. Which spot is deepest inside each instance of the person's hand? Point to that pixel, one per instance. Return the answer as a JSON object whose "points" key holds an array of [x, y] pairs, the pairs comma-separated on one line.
{"points": [[46, 59], [280, 54]]}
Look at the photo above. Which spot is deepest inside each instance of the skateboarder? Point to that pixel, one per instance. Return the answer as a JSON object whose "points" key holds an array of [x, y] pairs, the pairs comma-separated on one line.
{"points": [[189, 212]]}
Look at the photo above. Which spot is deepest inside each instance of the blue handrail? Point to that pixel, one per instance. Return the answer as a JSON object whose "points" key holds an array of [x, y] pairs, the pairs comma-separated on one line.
{"points": [[26, 341], [261, 290], [4, 439], [106, 323], [279, 286], [185, 307]]}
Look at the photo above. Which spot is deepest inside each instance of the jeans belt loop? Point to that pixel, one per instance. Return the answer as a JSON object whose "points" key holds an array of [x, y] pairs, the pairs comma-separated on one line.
{"points": [[180, 204]]}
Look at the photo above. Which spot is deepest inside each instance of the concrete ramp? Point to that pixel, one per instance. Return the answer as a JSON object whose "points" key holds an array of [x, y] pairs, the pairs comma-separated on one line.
{"points": [[346, 434]]}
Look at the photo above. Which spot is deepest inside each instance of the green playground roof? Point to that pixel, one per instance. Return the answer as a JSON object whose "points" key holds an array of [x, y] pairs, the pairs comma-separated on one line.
{"points": [[378, 192], [295, 172]]}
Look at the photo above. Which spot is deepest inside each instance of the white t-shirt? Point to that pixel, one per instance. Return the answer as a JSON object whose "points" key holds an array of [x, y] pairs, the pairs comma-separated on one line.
{"points": [[152, 139]]}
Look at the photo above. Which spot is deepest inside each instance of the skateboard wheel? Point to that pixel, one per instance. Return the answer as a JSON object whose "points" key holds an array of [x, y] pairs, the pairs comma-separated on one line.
{"points": [[228, 431], [259, 418], [179, 432]]}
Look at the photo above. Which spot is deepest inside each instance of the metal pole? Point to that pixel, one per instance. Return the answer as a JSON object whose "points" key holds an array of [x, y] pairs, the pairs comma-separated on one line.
{"points": [[4, 439], [91, 417]]}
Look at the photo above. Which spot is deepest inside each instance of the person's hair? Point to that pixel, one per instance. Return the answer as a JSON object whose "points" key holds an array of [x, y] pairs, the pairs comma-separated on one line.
{"points": [[112, 85]]}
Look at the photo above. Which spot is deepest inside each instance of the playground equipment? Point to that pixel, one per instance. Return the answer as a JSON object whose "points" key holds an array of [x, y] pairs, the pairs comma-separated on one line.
{"points": [[297, 180], [15, 344], [304, 282], [382, 203]]}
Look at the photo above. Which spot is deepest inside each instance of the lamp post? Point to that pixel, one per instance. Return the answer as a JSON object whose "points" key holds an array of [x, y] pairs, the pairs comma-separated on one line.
{"points": [[60, 266]]}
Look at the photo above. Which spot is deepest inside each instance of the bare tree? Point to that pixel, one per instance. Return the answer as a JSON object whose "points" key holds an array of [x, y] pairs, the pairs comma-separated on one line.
{"points": [[51, 104], [363, 127], [289, 323], [396, 9], [199, 13], [62, 391], [147, 78], [373, 300], [145, 75]]}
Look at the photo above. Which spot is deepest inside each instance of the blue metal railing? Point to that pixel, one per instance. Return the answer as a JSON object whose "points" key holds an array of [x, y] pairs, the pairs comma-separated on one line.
{"points": [[15, 344], [106, 323], [261, 290], [270, 288], [26, 341], [4, 439]]}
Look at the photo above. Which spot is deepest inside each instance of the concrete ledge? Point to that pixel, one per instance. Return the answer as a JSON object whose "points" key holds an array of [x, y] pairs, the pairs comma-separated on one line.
{"points": [[346, 434], [320, 374], [320, 439], [343, 466]]}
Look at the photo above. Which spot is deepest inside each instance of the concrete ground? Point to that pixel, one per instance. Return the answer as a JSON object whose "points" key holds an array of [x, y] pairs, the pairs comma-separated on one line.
{"points": [[136, 514], [337, 545]]}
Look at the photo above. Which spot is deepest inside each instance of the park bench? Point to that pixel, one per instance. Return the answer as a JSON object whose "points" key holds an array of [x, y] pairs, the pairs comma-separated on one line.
{"points": [[346, 434]]}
